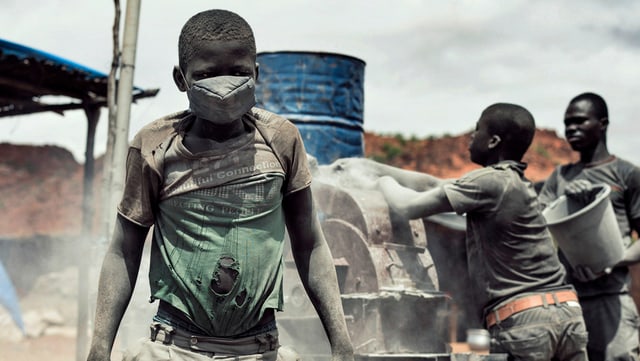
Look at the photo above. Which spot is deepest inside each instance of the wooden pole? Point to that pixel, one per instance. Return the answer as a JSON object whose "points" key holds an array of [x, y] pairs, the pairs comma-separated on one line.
{"points": [[84, 246], [119, 130], [107, 207]]}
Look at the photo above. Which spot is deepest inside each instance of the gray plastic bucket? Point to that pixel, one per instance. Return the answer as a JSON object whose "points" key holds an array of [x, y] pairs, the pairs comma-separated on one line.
{"points": [[587, 234]]}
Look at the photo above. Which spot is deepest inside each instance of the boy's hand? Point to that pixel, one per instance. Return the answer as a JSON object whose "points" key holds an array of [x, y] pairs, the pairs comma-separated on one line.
{"points": [[358, 173], [631, 255], [354, 165], [580, 190]]}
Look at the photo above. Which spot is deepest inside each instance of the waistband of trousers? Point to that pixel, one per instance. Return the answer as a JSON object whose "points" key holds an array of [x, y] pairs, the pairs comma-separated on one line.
{"points": [[520, 304], [175, 318], [248, 345], [170, 316]]}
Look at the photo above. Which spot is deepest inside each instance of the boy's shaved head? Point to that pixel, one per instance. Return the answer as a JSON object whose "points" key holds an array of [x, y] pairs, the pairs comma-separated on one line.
{"points": [[515, 126], [213, 25]]}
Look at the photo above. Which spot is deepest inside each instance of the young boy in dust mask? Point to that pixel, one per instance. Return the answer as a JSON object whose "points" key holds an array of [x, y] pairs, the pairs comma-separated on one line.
{"points": [[220, 183], [529, 309]]}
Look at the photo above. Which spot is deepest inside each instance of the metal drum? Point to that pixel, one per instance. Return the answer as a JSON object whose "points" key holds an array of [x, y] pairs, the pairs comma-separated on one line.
{"points": [[322, 93]]}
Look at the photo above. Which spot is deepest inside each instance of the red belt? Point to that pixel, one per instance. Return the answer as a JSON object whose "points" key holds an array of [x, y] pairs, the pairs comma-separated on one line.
{"points": [[527, 302]]}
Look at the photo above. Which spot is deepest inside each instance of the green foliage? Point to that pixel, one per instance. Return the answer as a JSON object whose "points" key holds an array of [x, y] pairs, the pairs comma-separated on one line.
{"points": [[390, 151], [378, 158], [400, 138], [542, 151]]}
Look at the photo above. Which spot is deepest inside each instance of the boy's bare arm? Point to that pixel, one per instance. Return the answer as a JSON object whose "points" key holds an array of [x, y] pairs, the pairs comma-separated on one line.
{"points": [[317, 271], [412, 204], [117, 280], [369, 168]]}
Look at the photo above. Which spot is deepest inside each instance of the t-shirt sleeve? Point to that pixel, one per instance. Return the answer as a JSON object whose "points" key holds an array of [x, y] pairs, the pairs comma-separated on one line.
{"points": [[473, 192], [633, 192], [139, 192], [293, 155]]}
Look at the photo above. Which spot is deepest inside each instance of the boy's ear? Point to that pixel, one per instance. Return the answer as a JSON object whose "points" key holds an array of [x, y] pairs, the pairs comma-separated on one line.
{"points": [[257, 71], [494, 141], [179, 79]]}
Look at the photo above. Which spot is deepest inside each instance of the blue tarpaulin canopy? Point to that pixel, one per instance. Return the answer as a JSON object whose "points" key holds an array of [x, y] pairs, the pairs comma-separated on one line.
{"points": [[8, 298], [28, 75]]}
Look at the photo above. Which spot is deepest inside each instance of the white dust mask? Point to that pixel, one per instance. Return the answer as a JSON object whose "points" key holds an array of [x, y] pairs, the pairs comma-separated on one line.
{"points": [[222, 99]]}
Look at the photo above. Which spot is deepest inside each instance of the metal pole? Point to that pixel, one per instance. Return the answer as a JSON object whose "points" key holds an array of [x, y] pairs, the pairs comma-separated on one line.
{"points": [[124, 100]]}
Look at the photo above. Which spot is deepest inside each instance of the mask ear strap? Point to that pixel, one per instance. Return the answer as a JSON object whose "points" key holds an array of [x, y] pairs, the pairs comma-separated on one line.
{"points": [[184, 79]]}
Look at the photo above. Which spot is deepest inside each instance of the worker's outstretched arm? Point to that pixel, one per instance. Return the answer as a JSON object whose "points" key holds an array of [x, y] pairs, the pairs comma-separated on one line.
{"points": [[368, 168], [411, 204], [117, 280], [317, 270]]}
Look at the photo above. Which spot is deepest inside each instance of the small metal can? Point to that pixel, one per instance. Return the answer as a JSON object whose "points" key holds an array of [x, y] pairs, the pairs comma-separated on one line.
{"points": [[478, 339]]}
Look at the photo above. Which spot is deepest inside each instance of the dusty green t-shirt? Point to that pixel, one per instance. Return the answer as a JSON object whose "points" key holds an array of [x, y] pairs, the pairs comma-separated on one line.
{"points": [[218, 221]]}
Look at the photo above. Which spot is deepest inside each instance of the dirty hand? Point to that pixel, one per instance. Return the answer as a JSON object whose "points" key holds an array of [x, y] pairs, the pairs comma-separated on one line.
{"points": [[354, 165], [579, 189], [586, 274], [352, 172]]}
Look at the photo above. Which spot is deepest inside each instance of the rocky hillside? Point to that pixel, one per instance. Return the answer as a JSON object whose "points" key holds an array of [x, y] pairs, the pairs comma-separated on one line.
{"points": [[41, 186], [40, 191], [447, 156]]}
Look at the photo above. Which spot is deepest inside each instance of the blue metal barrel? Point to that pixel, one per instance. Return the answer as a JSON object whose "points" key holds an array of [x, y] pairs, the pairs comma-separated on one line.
{"points": [[322, 94]]}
